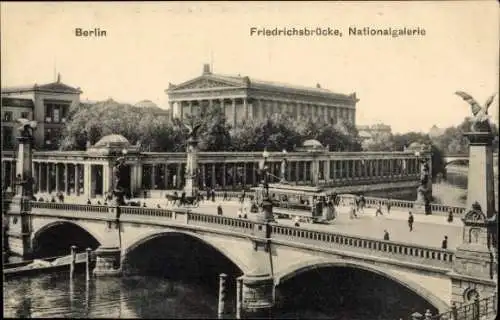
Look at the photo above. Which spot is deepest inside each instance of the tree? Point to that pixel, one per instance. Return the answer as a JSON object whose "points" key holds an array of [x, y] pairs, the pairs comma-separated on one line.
{"points": [[379, 141]]}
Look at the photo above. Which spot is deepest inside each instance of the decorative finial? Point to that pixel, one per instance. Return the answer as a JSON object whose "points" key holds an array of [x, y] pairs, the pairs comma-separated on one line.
{"points": [[58, 77]]}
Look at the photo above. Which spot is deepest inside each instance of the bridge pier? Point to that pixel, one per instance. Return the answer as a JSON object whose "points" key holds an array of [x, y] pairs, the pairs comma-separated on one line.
{"points": [[257, 296], [107, 262]]}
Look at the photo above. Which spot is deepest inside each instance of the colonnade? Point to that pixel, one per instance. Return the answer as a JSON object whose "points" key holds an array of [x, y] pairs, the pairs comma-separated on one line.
{"points": [[91, 179], [238, 108]]}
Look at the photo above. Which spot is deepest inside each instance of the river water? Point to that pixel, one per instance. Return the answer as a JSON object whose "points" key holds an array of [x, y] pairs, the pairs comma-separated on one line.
{"points": [[343, 294]]}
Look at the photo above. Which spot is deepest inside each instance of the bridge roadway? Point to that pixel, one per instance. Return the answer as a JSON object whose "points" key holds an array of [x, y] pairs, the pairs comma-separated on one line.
{"points": [[428, 230]]}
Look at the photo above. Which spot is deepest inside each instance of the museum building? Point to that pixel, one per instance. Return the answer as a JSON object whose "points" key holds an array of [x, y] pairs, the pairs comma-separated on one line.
{"points": [[243, 98]]}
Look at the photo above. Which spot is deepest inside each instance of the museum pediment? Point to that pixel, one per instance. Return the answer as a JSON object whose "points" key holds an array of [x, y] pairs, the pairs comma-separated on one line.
{"points": [[204, 82]]}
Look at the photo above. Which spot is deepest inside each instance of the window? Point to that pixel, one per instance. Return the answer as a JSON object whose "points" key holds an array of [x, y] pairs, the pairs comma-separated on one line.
{"points": [[7, 116], [7, 138], [25, 115], [56, 111]]}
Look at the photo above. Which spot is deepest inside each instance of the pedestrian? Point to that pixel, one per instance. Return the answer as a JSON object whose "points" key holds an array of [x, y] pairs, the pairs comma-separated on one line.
{"points": [[444, 244], [213, 195], [145, 192], [379, 209], [53, 199], [88, 202], [239, 212], [450, 216], [144, 204], [410, 221], [297, 222], [219, 210], [386, 235], [224, 196], [389, 206]]}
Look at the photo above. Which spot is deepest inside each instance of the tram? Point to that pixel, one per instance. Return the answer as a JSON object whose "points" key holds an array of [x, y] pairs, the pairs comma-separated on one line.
{"points": [[308, 204]]}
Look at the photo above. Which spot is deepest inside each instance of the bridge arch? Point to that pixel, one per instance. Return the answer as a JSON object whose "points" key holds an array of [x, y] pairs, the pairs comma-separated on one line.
{"points": [[85, 238], [229, 254], [305, 266]]}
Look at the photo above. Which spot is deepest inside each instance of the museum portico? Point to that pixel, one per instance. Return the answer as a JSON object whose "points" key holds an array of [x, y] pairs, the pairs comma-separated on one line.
{"points": [[88, 173], [241, 98]]}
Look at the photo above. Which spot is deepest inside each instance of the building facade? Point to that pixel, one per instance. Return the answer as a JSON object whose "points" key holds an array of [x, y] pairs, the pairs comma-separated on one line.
{"points": [[246, 98], [48, 104], [89, 173]]}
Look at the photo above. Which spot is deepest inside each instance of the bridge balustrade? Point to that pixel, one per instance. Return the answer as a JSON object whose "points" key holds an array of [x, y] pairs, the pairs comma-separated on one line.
{"points": [[441, 209], [400, 251], [152, 212], [228, 223], [70, 207]]}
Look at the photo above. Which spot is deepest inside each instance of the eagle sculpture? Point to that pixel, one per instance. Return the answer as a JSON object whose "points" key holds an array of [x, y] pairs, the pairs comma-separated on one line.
{"points": [[26, 127], [480, 121]]}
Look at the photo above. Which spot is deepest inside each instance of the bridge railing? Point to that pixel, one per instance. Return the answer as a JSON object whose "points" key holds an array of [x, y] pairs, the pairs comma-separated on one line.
{"points": [[441, 209], [152, 212], [71, 207], [479, 309], [227, 223], [390, 249]]}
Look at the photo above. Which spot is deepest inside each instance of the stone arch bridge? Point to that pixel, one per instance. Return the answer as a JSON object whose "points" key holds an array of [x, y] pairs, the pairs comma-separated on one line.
{"points": [[257, 249]]}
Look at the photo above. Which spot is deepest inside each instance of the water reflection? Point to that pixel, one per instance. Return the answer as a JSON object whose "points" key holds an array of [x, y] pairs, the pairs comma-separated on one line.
{"points": [[54, 295]]}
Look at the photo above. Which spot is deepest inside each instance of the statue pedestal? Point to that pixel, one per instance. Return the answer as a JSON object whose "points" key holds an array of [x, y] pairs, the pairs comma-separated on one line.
{"points": [[480, 183], [191, 184], [107, 261]]}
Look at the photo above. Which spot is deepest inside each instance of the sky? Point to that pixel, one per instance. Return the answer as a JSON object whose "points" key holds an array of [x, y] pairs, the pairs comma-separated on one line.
{"points": [[405, 82]]}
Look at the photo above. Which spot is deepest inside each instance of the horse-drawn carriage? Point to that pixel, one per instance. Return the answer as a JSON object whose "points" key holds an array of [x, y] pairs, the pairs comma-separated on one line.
{"points": [[183, 199]]}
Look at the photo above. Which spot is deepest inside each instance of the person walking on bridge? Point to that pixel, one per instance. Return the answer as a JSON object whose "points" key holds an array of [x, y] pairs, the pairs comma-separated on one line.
{"points": [[410, 221], [444, 244], [386, 235], [379, 209]]}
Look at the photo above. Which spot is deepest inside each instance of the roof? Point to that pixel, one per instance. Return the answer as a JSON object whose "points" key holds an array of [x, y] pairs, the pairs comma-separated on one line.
{"points": [[17, 102], [112, 139], [208, 80], [58, 87], [312, 143], [146, 104]]}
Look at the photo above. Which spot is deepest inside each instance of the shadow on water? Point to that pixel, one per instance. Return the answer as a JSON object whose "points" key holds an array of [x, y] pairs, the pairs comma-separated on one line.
{"points": [[345, 294]]}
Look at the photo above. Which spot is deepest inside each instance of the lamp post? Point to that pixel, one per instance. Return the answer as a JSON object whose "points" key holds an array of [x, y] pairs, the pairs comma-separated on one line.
{"points": [[266, 204], [283, 166]]}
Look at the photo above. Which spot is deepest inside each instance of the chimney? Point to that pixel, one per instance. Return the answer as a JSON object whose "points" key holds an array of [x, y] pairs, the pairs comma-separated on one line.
{"points": [[318, 86], [206, 69]]}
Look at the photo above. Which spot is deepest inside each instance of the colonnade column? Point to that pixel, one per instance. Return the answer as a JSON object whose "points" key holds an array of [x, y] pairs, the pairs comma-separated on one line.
{"points": [[39, 176], [77, 179], [87, 180], [234, 111], [244, 174], [245, 108], [57, 177], [214, 181], [178, 178], [153, 176], [66, 178], [47, 173], [223, 175]]}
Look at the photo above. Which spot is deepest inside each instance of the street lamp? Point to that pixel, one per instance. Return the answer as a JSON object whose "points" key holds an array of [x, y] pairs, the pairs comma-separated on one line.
{"points": [[283, 166], [267, 205]]}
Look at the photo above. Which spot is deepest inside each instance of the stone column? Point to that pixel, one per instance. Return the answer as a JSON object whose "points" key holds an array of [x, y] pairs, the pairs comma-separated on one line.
{"points": [[304, 169], [171, 105], [233, 111], [66, 178], [244, 174], [214, 180], [153, 176], [87, 180], [77, 179], [223, 175], [19, 234], [190, 106], [178, 175], [40, 175], [245, 108], [58, 186], [181, 111]]}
